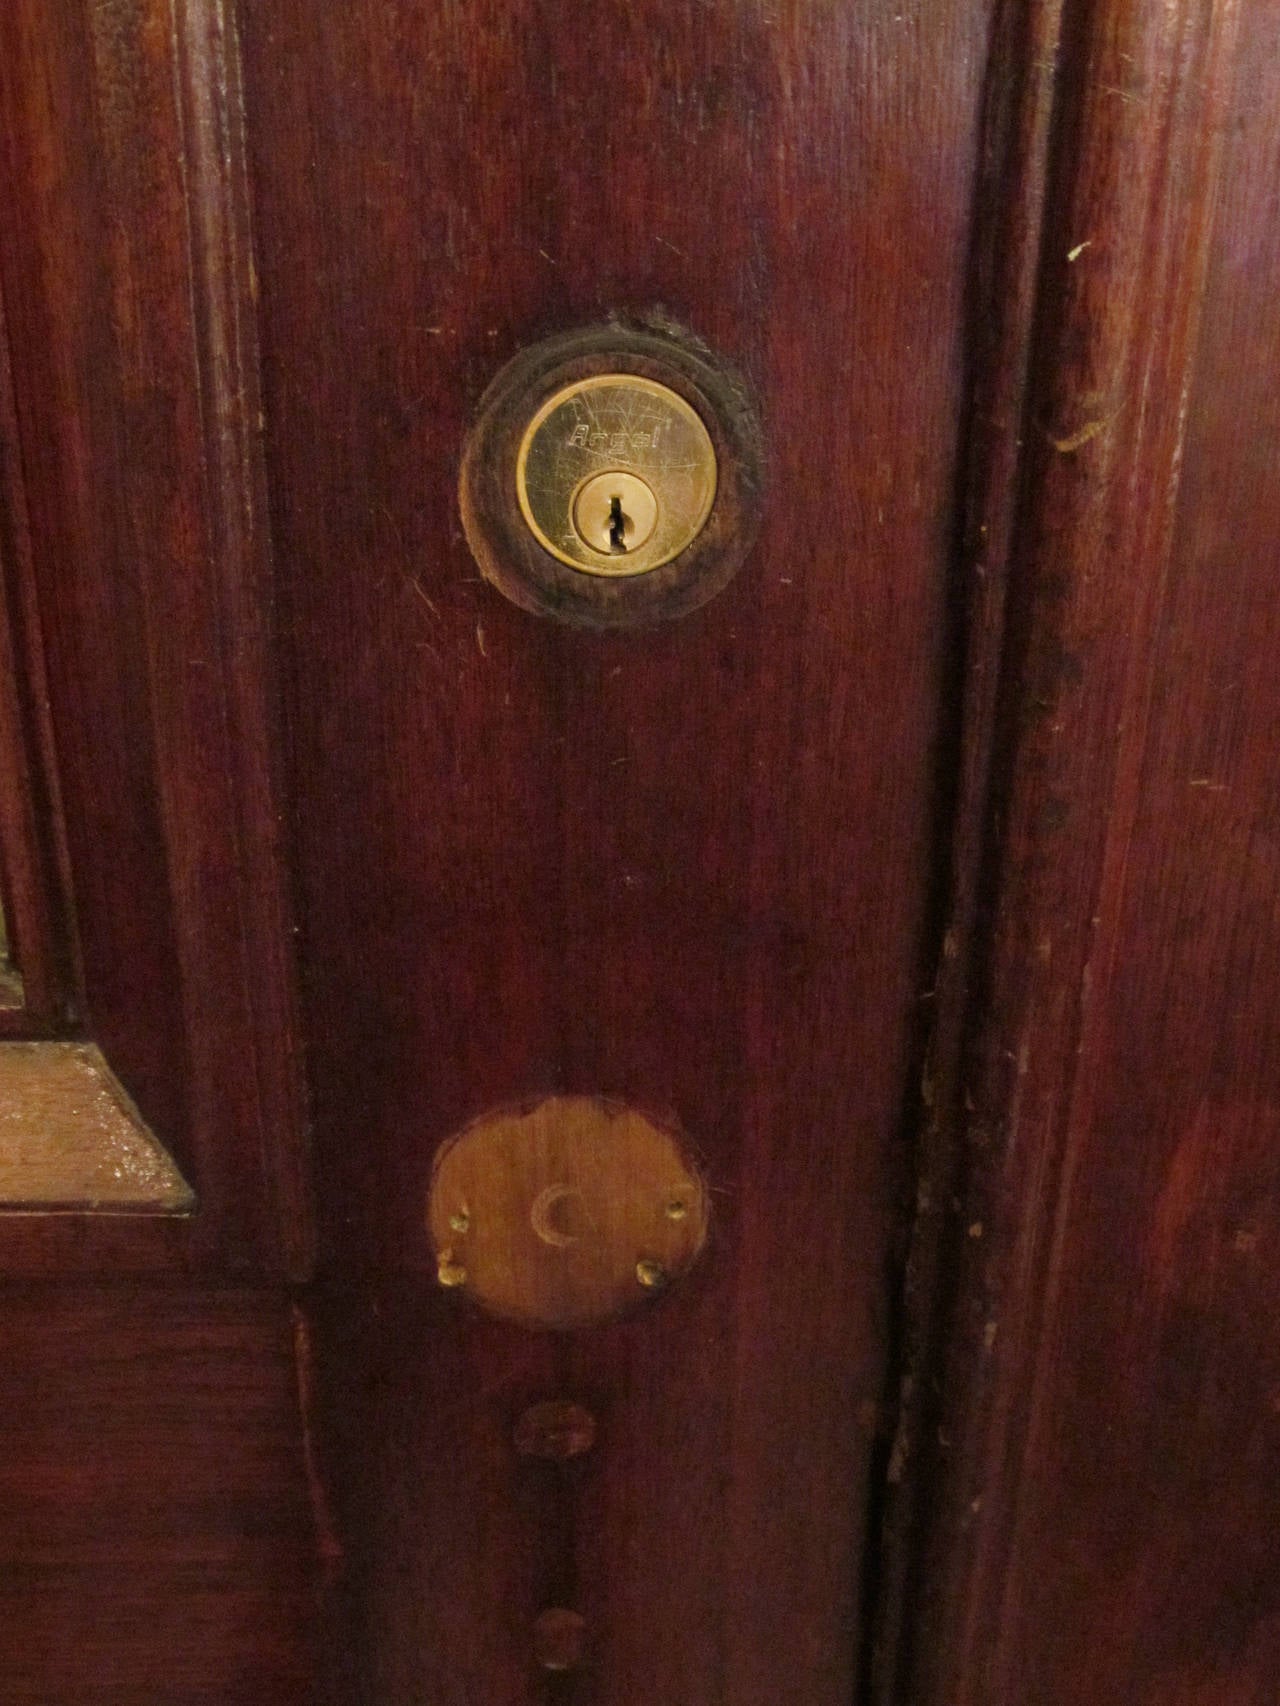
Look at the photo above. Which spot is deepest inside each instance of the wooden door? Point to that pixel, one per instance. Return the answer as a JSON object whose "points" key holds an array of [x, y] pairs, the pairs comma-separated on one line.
{"points": [[918, 881], [687, 865]]}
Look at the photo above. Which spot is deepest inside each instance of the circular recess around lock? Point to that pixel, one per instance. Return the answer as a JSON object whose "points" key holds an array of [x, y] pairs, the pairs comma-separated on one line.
{"points": [[616, 475], [612, 477]]}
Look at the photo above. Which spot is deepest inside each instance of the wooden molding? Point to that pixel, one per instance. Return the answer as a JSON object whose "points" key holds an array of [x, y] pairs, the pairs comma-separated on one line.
{"points": [[34, 884], [225, 308], [126, 255], [1003, 295], [1117, 212]]}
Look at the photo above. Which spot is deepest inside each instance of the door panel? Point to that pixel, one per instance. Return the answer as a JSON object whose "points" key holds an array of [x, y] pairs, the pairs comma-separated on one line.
{"points": [[920, 882], [156, 1542], [134, 576], [689, 867]]}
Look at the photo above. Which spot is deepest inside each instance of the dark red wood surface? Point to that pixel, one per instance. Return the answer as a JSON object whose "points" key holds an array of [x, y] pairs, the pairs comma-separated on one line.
{"points": [[155, 1532], [126, 287], [157, 1538], [1003, 276], [1102, 1494], [34, 887], [1154, 1447], [690, 867]]}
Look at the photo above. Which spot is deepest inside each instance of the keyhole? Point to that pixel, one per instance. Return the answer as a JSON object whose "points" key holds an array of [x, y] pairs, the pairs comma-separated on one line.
{"points": [[615, 514], [619, 525]]}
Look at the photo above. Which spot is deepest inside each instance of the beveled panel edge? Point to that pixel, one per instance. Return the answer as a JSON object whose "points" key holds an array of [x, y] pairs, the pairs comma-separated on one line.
{"points": [[72, 1141]]}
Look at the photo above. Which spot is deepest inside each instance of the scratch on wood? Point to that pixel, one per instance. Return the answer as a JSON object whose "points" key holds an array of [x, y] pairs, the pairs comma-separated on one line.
{"points": [[1125, 95], [328, 1545], [1075, 440], [417, 587]]}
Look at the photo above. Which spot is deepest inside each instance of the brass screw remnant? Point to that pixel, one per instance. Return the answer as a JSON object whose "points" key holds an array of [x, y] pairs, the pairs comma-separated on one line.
{"points": [[652, 1275], [460, 1221], [450, 1273], [677, 1209]]}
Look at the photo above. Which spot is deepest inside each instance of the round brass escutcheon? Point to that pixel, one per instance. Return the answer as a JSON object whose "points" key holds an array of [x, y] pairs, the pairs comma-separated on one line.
{"points": [[612, 477], [616, 474], [558, 1213]]}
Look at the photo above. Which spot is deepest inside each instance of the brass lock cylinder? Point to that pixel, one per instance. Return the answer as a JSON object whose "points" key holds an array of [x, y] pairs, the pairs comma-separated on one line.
{"points": [[616, 475], [612, 477]]}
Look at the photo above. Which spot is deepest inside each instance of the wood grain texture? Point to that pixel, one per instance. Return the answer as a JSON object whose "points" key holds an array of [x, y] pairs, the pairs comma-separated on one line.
{"points": [[1026, 250], [688, 868], [224, 284], [1103, 1491], [124, 253], [155, 1536], [34, 882], [1009, 222]]}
